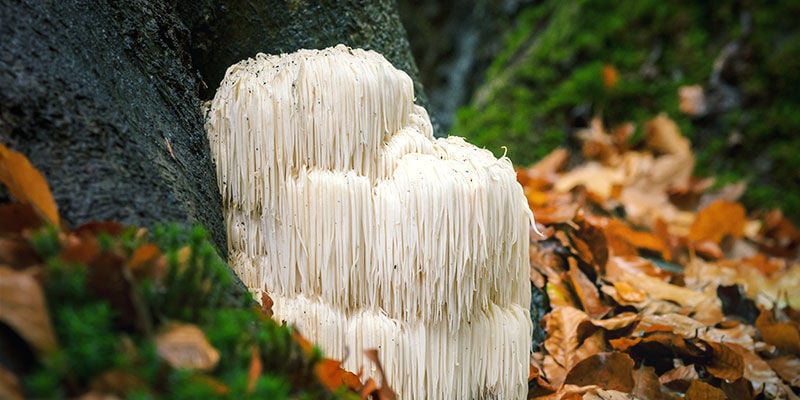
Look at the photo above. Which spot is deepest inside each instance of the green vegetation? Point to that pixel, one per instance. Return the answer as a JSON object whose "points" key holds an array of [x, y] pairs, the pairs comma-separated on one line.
{"points": [[548, 82], [99, 342]]}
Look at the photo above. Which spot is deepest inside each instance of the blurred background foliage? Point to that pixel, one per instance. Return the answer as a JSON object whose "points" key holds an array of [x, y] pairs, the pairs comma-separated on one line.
{"points": [[529, 74]]}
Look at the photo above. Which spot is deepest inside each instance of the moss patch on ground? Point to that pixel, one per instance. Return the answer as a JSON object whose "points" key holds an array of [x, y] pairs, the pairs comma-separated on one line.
{"points": [[549, 82]]}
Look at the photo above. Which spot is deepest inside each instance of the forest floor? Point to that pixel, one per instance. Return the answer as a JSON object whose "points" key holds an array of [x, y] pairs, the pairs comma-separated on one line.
{"points": [[659, 287], [654, 286]]}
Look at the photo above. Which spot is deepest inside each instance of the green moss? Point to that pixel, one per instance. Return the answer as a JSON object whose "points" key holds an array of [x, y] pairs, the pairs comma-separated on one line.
{"points": [[548, 82], [195, 288]]}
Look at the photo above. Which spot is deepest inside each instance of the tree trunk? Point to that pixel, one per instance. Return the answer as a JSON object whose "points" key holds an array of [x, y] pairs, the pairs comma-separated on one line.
{"points": [[105, 101]]}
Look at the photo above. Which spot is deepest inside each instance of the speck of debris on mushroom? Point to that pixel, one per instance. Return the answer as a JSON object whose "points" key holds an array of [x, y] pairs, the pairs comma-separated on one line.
{"points": [[369, 233]]}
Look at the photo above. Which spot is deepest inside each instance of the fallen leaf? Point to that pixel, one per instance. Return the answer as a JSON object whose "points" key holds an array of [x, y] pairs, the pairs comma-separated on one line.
{"points": [[95, 228], [725, 363], [788, 368], [717, 220], [24, 309], [612, 371], [15, 218], [563, 343], [330, 373], [699, 390], [610, 76], [620, 321], [783, 335], [27, 184], [185, 346], [266, 304], [16, 252], [679, 378], [10, 388], [254, 370], [116, 382], [385, 392], [586, 291], [646, 384]]}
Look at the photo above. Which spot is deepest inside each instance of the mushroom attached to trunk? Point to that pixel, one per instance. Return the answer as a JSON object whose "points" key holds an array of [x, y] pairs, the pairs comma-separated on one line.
{"points": [[369, 233]]}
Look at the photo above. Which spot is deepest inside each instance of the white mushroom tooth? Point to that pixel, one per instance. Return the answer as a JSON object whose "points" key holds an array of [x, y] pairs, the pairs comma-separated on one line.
{"points": [[367, 231]]}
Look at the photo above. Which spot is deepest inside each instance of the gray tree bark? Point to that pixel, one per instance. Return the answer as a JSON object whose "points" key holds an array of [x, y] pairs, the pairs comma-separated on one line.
{"points": [[104, 97]]}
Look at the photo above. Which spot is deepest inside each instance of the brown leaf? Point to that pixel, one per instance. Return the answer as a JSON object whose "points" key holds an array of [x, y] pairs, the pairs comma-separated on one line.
{"points": [[620, 321], [725, 363], [717, 220], [788, 368], [646, 384], [699, 390], [16, 252], [254, 371], [110, 279], [116, 382], [15, 218], [610, 76], [586, 291], [564, 345], [266, 304], [10, 388], [27, 184], [330, 373], [783, 335], [622, 239], [679, 378], [79, 248], [24, 309], [185, 346], [612, 371], [147, 262], [779, 236], [95, 228], [385, 392]]}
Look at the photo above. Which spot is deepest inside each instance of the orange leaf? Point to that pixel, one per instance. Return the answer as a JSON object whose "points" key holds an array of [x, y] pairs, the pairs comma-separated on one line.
{"points": [[254, 371], [783, 335], [307, 347], [717, 220], [586, 291], [185, 346], [27, 184], [24, 310], [610, 76], [331, 374], [699, 390]]}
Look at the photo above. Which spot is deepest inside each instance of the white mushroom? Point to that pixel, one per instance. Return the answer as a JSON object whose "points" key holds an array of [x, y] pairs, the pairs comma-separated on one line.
{"points": [[369, 233]]}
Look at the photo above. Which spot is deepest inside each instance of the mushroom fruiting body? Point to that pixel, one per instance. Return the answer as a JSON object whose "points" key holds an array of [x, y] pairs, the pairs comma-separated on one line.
{"points": [[369, 233]]}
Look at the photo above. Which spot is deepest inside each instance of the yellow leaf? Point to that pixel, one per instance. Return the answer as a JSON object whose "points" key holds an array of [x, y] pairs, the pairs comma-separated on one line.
{"points": [[27, 184]]}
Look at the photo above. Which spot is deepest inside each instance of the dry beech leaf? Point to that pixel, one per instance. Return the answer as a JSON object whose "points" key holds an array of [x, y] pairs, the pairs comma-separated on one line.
{"points": [[783, 335], [27, 184], [564, 345], [24, 309], [185, 346], [10, 388], [788, 368], [699, 390], [586, 291], [725, 363], [717, 220], [679, 378], [612, 371], [254, 370], [15, 218], [266, 304], [646, 384], [385, 392], [331, 374], [619, 321]]}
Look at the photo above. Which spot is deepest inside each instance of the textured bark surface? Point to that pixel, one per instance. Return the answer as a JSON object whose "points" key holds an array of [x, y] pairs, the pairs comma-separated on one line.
{"points": [[105, 98], [102, 100], [224, 33]]}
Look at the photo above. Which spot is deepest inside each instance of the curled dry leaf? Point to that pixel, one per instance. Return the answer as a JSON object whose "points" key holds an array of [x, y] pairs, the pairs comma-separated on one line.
{"points": [[24, 309], [699, 390], [788, 368], [10, 388], [330, 373], [185, 346], [564, 345], [612, 371], [725, 363], [783, 335], [385, 392], [27, 184], [717, 220]]}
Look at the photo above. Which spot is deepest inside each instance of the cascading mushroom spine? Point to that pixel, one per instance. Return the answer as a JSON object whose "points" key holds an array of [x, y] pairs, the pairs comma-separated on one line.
{"points": [[369, 233]]}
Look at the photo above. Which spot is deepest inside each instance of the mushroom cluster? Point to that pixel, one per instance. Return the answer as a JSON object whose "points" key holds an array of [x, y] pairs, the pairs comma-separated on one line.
{"points": [[366, 231]]}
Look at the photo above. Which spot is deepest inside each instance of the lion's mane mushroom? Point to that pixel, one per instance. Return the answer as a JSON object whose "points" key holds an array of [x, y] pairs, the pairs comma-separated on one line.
{"points": [[369, 233]]}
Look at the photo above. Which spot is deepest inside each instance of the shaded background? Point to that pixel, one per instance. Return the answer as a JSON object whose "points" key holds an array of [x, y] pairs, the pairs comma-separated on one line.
{"points": [[528, 75]]}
